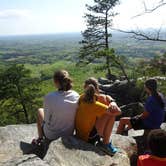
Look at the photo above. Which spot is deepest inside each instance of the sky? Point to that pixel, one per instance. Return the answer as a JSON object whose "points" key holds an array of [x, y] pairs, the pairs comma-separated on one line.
{"points": [[18, 17]]}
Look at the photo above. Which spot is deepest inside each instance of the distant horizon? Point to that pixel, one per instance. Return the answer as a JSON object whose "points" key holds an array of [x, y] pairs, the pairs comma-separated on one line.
{"points": [[31, 17], [67, 33], [40, 34]]}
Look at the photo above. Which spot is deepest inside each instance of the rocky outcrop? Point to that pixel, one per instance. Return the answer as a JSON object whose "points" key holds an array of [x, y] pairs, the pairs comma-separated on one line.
{"points": [[15, 149], [122, 91]]}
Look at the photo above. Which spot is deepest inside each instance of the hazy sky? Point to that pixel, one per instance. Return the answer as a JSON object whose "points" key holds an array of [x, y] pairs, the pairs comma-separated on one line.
{"points": [[54, 16]]}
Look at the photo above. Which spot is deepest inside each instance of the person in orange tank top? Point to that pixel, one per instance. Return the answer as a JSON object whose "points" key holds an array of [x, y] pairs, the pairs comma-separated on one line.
{"points": [[157, 146]]}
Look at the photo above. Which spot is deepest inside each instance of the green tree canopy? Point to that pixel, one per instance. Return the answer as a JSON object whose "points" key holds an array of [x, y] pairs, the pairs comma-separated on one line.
{"points": [[96, 43], [18, 95]]}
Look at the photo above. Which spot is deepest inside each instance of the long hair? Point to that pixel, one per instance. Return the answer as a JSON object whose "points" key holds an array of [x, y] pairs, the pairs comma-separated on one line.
{"points": [[157, 142], [151, 84], [62, 77], [94, 82], [90, 93]]}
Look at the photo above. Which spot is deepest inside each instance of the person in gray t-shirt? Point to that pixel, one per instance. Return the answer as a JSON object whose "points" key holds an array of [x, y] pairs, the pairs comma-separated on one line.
{"points": [[57, 118]]}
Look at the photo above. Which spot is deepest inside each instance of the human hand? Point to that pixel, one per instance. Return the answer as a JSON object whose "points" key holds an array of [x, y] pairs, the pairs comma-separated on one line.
{"points": [[113, 106]]}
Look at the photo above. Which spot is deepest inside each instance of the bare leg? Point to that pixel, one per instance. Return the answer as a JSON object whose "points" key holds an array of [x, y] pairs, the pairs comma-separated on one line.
{"points": [[104, 127], [100, 124], [122, 124], [108, 129], [40, 119]]}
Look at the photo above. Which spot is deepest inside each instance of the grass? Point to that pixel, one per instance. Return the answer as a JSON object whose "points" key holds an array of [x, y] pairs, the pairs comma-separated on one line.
{"points": [[78, 74]]}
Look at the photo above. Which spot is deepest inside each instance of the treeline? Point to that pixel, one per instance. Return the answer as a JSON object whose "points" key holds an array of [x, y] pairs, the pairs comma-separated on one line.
{"points": [[19, 95]]}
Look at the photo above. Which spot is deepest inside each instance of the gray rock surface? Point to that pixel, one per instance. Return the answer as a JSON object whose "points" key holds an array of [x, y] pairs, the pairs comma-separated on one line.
{"points": [[14, 146], [104, 81], [122, 91]]}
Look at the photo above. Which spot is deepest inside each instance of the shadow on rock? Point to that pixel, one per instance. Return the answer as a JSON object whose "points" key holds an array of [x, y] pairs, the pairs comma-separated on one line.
{"points": [[74, 143], [40, 151]]}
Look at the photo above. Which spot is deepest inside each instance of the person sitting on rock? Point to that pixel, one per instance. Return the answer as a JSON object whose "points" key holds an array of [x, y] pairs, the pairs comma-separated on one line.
{"points": [[57, 118], [89, 110], [105, 119], [153, 114], [157, 144]]}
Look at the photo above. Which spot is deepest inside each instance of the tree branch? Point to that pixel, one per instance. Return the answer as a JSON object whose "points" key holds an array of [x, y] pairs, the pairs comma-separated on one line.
{"points": [[150, 10], [139, 35]]}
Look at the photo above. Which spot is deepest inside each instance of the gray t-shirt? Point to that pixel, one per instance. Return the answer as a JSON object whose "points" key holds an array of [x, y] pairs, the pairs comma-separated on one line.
{"points": [[59, 113]]}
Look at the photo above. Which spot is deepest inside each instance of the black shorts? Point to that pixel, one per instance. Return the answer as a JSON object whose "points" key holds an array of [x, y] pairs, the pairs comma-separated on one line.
{"points": [[94, 136], [137, 123]]}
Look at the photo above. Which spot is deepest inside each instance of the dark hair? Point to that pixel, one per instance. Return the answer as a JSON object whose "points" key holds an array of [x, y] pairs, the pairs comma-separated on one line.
{"points": [[157, 142], [151, 84], [62, 77], [89, 94], [94, 82]]}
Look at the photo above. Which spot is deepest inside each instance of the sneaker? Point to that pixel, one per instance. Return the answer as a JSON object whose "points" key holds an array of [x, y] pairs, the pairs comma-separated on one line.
{"points": [[107, 149], [37, 141], [112, 148]]}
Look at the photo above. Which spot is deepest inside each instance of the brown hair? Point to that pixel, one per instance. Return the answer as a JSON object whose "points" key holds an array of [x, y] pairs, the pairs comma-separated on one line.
{"points": [[94, 82], [157, 142], [90, 93], [62, 77], [151, 84]]}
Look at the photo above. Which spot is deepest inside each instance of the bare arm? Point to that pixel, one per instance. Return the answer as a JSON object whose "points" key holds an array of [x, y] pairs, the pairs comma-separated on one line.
{"points": [[109, 98], [114, 109], [144, 115]]}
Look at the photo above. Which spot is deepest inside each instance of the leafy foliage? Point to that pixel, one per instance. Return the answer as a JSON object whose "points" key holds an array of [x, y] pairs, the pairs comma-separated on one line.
{"points": [[96, 36], [19, 95], [159, 63]]}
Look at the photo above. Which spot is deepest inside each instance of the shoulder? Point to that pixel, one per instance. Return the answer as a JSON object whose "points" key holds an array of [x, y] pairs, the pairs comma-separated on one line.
{"points": [[150, 99], [74, 93], [102, 95], [50, 97], [51, 94], [144, 157], [81, 97]]}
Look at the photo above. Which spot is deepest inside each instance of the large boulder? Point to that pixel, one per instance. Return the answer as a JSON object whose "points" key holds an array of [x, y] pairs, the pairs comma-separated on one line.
{"points": [[15, 149], [131, 110], [73, 152], [123, 92], [104, 81]]}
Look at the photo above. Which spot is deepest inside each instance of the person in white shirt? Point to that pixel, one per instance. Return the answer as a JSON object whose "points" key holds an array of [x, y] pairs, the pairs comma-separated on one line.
{"points": [[57, 118]]}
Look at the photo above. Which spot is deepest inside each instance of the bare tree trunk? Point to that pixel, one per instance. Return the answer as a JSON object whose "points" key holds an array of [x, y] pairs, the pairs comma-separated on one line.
{"points": [[107, 43], [23, 104], [123, 70]]}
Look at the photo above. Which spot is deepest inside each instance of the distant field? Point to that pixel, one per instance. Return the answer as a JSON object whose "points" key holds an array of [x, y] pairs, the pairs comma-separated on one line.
{"points": [[78, 74], [44, 49]]}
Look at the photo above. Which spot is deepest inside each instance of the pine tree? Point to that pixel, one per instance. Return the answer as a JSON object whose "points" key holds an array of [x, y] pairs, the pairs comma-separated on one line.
{"points": [[19, 94], [96, 36]]}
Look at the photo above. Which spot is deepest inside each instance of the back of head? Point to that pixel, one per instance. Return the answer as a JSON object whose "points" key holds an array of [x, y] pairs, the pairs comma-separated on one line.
{"points": [[63, 79], [151, 84], [157, 142], [89, 94], [92, 81]]}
